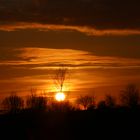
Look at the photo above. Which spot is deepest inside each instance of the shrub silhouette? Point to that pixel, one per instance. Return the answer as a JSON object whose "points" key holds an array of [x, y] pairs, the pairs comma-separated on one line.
{"points": [[64, 106], [86, 101], [130, 96], [110, 101], [36, 102], [13, 103], [101, 105]]}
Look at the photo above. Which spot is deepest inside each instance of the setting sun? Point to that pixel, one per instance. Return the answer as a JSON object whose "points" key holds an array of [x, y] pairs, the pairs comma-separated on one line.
{"points": [[60, 96]]}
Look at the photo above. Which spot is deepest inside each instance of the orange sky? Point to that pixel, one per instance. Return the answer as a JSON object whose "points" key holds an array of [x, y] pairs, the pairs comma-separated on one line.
{"points": [[97, 40], [87, 73]]}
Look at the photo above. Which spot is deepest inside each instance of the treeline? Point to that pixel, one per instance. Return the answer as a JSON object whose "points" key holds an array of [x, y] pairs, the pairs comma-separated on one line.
{"points": [[129, 98]]}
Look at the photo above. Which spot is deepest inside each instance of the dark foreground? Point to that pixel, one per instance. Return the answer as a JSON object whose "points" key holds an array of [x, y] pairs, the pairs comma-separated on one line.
{"points": [[76, 125]]}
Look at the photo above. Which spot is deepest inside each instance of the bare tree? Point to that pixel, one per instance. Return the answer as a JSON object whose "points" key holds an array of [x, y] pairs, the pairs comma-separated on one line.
{"points": [[13, 103], [86, 101], [60, 77], [36, 102], [130, 96], [110, 101]]}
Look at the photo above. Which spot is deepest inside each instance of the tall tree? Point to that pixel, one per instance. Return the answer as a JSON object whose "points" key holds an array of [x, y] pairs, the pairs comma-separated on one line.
{"points": [[130, 96], [60, 77]]}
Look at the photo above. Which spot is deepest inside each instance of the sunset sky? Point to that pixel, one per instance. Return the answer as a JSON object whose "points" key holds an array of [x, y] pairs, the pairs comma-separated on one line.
{"points": [[98, 40]]}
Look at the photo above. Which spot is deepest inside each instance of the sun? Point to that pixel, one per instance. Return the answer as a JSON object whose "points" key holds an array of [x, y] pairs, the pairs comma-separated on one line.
{"points": [[60, 96]]}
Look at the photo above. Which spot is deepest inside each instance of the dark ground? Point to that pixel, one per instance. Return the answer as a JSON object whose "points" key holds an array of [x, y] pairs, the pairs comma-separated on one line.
{"points": [[75, 125]]}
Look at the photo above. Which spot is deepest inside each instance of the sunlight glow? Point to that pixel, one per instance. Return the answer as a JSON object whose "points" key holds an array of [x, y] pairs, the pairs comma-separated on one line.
{"points": [[60, 96]]}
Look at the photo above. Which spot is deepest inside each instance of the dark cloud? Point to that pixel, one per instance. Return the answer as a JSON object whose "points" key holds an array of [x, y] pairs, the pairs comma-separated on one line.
{"points": [[98, 14], [120, 46]]}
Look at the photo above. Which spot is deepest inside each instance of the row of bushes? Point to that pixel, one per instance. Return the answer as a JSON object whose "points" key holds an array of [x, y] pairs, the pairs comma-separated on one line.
{"points": [[14, 103], [129, 98]]}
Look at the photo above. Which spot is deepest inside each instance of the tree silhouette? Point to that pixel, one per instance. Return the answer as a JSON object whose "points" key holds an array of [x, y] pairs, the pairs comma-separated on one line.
{"points": [[36, 102], [60, 77], [101, 105], [130, 96], [110, 101], [86, 101], [13, 103]]}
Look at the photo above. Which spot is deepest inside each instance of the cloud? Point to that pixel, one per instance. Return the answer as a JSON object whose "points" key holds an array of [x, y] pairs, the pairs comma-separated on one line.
{"points": [[25, 68], [94, 17], [83, 29], [45, 58]]}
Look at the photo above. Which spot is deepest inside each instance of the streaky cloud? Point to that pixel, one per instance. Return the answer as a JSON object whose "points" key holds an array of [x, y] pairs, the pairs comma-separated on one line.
{"points": [[94, 17], [83, 29], [45, 58]]}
